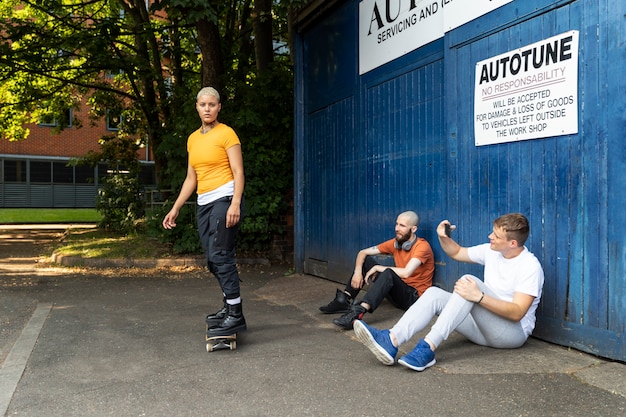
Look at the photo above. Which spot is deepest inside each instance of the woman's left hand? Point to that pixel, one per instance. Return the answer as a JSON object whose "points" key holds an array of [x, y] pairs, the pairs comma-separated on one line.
{"points": [[232, 216]]}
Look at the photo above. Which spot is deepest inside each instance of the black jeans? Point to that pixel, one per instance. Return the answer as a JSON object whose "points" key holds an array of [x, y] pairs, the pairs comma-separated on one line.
{"points": [[387, 284], [218, 243]]}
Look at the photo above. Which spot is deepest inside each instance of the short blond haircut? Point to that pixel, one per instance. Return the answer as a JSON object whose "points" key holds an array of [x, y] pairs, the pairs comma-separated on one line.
{"points": [[208, 91]]}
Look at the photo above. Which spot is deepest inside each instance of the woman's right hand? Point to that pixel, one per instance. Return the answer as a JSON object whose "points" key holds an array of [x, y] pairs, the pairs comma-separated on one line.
{"points": [[169, 222]]}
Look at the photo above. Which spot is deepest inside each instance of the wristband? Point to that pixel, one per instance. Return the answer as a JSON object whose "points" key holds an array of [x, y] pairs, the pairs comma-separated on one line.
{"points": [[481, 298]]}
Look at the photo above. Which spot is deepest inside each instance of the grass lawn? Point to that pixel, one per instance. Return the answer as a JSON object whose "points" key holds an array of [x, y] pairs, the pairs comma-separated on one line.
{"points": [[96, 243], [91, 242], [48, 215]]}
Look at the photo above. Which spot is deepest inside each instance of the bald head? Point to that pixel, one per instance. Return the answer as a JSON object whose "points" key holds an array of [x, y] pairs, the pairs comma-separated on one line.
{"points": [[410, 218]]}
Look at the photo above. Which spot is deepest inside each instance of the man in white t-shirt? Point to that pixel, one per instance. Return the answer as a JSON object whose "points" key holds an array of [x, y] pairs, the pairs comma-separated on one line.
{"points": [[498, 312]]}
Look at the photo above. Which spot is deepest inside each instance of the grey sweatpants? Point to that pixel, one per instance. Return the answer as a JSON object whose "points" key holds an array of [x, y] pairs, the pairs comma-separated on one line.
{"points": [[456, 313]]}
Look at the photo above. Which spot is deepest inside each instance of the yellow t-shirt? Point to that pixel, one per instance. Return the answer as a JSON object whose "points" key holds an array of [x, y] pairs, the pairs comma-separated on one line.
{"points": [[208, 157]]}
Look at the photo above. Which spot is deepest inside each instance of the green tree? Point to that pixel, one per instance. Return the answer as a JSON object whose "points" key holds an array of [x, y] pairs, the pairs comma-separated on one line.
{"points": [[146, 64], [113, 55]]}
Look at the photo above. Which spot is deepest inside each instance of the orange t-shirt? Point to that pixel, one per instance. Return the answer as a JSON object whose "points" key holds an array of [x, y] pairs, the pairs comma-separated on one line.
{"points": [[208, 157], [422, 278]]}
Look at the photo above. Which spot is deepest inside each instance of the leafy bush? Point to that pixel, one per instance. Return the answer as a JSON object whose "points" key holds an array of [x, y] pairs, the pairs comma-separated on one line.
{"points": [[262, 116], [120, 203], [184, 237], [119, 198]]}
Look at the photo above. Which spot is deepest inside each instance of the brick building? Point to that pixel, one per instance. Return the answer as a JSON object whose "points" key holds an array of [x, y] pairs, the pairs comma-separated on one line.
{"points": [[34, 172]]}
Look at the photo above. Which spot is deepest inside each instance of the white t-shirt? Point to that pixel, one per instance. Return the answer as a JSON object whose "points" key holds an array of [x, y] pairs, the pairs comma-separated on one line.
{"points": [[225, 190], [507, 276]]}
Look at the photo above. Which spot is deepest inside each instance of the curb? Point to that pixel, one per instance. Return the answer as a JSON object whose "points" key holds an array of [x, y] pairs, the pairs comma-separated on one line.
{"points": [[142, 263]]}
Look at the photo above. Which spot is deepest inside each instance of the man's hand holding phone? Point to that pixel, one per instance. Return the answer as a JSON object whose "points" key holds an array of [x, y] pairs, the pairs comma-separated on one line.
{"points": [[447, 228]]}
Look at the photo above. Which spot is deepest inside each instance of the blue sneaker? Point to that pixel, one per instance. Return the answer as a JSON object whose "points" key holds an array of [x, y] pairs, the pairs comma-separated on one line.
{"points": [[420, 358], [378, 341]]}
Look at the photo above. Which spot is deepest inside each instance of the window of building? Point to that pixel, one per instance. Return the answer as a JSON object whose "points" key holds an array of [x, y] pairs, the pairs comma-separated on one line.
{"points": [[168, 86], [102, 171], [114, 120], [52, 121], [14, 171], [84, 174], [62, 173], [40, 171], [147, 175], [111, 74]]}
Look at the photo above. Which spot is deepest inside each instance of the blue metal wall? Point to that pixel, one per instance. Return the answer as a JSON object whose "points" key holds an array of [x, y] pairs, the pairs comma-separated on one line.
{"points": [[401, 137], [371, 147]]}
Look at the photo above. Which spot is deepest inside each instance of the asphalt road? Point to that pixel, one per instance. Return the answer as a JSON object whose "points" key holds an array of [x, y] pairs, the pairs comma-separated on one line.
{"points": [[130, 342]]}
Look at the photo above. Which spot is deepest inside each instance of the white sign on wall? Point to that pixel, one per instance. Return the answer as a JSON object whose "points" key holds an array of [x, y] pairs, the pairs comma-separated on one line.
{"points": [[389, 29], [459, 12], [528, 93]]}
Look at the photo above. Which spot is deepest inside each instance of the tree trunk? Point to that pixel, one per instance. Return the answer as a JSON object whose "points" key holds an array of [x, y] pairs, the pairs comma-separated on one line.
{"points": [[263, 44], [210, 48], [246, 46]]}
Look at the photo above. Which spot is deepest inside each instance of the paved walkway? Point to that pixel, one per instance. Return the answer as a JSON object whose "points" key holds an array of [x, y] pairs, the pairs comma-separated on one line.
{"points": [[129, 342]]}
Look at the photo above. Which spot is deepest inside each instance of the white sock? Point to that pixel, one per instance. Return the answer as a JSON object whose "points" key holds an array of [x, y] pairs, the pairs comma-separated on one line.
{"points": [[234, 301]]}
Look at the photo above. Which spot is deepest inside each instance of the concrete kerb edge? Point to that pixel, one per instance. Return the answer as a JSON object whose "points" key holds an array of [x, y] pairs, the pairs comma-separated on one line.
{"points": [[141, 263]]}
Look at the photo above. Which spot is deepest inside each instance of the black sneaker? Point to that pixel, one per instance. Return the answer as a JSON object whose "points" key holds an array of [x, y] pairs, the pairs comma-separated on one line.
{"points": [[346, 321], [341, 304]]}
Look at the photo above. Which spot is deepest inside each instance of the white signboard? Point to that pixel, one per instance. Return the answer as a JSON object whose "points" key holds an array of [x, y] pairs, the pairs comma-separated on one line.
{"points": [[528, 93], [459, 12], [389, 29]]}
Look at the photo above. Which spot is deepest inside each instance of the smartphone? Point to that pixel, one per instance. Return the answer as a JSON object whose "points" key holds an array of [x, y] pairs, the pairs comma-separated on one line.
{"points": [[447, 225]]}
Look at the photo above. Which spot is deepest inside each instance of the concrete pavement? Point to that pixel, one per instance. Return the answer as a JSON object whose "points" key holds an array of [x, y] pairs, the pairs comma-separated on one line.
{"points": [[130, 342]]}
